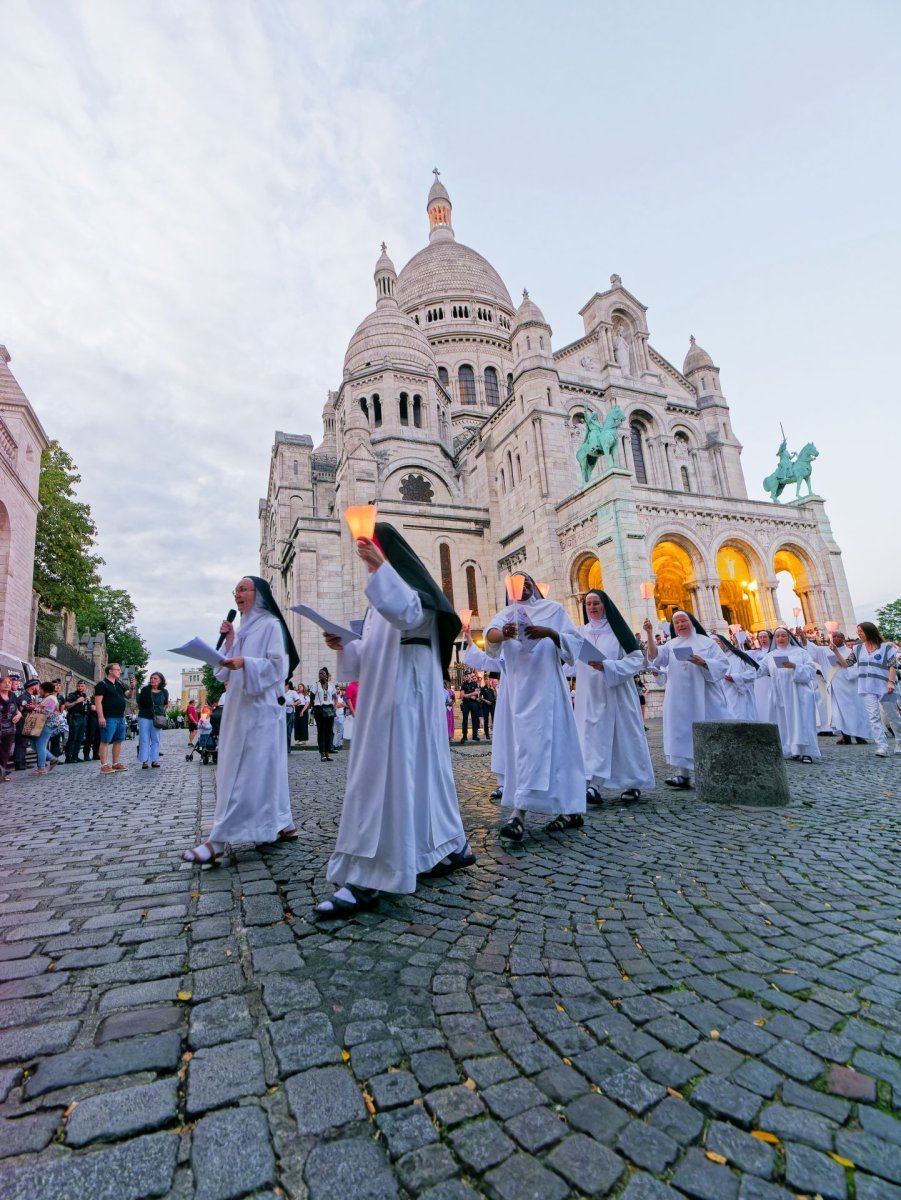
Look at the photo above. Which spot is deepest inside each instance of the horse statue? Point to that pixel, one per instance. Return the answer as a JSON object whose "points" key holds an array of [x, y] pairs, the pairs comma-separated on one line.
{"points": [[600, 438], [796, 470]]}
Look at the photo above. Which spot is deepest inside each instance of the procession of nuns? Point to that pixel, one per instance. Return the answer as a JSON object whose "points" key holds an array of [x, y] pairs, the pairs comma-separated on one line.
{"points": [[400, 821]]}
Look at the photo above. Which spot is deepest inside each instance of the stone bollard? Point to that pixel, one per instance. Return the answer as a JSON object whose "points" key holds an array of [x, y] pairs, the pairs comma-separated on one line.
{"points": [[739, 762]]}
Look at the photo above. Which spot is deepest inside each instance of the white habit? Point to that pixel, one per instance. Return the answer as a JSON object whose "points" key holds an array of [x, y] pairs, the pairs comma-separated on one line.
{"points": [[252, 800], [692, 694], [848, 713], [400, 814], [740, 689], [543, 770], [763, 691], [608, 715], [794, 700]]}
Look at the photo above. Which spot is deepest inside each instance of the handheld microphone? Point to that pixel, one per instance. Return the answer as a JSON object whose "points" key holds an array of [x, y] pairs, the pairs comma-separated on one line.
{"points": [[232, 613]]}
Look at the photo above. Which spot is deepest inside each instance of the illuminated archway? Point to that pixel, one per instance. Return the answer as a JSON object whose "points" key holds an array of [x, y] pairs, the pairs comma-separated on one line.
{"points": [[587, 574], [738, 588], [793, 592], [674, 570]]}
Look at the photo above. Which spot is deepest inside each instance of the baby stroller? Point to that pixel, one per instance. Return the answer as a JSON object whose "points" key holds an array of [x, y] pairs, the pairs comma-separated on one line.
{"points": [[206, 746]]}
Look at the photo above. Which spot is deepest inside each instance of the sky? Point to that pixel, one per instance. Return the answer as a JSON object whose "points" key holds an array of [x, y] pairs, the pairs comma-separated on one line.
{"points": [[193, 194]]}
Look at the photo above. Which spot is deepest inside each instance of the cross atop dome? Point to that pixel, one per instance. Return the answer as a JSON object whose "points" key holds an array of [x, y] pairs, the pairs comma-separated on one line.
{"points": [[439, 208]]}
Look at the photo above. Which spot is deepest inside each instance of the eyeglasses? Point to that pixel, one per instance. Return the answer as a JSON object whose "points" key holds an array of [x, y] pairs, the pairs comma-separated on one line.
{"points": [[239, 590]]}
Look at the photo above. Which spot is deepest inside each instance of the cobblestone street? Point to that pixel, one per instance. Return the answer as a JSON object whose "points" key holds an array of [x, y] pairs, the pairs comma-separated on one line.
{"points": [[677, 1000]]}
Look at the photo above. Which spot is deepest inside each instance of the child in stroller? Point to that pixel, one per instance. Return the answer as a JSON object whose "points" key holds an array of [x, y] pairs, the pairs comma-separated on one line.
{"points": [[207, 739]]}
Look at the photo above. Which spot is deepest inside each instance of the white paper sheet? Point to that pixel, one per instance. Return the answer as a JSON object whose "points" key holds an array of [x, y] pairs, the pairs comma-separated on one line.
{"points": [[197, 648], [346, 635], [683, 653], [589, 653]]}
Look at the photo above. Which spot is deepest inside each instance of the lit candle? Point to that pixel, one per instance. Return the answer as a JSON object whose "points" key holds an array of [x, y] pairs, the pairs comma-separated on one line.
{"points": [[544, 588], [361, 520]]}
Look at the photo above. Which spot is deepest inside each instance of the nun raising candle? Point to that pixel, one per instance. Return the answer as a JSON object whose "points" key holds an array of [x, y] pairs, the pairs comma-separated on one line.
{"points": [[252, 801], [543, 769], [608, 708], [694, 667], [794, 674]]}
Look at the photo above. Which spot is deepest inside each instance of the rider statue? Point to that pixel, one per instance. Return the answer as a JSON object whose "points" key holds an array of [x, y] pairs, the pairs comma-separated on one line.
{"points": [[792, 469], [785, 470]]}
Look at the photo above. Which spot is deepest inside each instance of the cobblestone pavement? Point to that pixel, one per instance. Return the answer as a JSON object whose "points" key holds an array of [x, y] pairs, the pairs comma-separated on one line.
{"points": [[678, 1000]]}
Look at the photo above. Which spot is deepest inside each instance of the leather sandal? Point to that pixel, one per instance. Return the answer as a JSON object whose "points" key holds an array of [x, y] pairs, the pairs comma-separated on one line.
{"points": [[342, 909], [288, 835], [513, 830], [455, 861], [192, 855], [630, 794], [565, 821]]}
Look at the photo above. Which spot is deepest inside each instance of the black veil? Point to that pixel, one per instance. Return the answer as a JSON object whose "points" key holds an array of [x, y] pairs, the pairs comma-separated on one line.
{"points": [[725, 644], [617, 621], [264, 591], [412, 571]]}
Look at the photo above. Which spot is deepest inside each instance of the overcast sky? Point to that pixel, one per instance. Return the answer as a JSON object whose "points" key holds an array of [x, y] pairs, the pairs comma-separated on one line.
{"points": [[192, 197]]}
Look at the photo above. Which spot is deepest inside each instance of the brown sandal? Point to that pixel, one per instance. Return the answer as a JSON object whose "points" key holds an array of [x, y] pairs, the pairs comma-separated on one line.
{"points": [[288, 835], [192, 855]]}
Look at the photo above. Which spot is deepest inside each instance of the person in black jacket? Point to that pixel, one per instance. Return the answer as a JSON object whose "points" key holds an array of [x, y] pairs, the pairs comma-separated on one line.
{"points": [[75, 706], [153, 699], [489, 699], [471, 706]]}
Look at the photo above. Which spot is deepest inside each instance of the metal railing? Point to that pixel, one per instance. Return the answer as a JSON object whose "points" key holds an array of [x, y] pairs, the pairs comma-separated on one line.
{"points": [[65, 655]]}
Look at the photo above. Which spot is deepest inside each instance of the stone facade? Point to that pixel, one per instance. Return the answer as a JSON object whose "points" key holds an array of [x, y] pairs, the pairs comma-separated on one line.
{"points": [[22, 441], [192, 689], [457, 415]]}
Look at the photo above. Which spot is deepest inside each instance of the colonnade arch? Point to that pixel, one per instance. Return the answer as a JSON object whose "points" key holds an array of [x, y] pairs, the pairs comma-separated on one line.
{"points": [[675, 564], [740, 600], [798, 586]]}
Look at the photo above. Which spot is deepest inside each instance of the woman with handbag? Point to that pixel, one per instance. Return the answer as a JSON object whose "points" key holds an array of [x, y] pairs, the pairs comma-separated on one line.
{"points": [[325, 700], [153, 700], [42, 724]]}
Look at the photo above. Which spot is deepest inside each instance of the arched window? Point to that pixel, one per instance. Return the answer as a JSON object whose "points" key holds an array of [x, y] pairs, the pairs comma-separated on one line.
{"points": [[403, 410], [518, 470], [364, 407], [417, 412], [686, 482], [376, 411], [509, 384], [472, 598], [636, 433], [510, 467], [444, 378], [447, 583], [492, 391], [467, 382], [503, 481], [296, 469]]}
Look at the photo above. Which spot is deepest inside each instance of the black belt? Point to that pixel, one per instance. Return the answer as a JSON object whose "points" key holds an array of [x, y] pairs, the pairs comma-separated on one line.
{"points": [[416, 641]]}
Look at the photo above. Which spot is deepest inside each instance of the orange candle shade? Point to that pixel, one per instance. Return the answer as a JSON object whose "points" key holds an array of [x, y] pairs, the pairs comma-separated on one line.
{"points": [[647, 591], [360, 519], [517, 585], [544, 588], [832, 626], [465, 615]]}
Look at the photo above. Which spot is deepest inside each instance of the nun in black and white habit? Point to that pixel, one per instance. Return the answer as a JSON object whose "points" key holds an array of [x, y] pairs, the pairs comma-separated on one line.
{"points": [[608, 708], [252, 800], [739, 681], [400, 816], [544, 772]]}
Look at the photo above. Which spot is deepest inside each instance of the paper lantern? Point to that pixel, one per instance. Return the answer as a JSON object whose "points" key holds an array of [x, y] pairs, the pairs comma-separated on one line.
{"points": [[647, 591], [361, 520], [465, 615], [517, 586], [734, 628], [832, 626], [544, 588]]}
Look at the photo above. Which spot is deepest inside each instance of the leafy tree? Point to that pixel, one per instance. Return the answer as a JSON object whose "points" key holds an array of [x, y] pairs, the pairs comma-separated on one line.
{"points": [[111, 611], [888, 618], [212, 685], [65, 562], [126, 646]]}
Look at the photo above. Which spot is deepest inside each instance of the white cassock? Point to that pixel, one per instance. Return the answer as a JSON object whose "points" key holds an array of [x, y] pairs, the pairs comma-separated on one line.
{"points": [[763, 691], [740, 689], [848, 713], [692, 694], [608, 715], [252, 800], [473, 657], [543, 770], [794, 700], [400, 814]]}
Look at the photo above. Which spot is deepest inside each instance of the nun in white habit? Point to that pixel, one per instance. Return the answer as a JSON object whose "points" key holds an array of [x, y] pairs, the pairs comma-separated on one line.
{"points": [[500, 729], [693, 667], [400, 818], [794, 674], [544, 772], [763, 684], [608, 708], [252, 800], [849, 717], [739, 680]]}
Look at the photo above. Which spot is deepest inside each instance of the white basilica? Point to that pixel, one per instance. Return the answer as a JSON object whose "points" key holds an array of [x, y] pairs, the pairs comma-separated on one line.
{"points": [[456, 414]]}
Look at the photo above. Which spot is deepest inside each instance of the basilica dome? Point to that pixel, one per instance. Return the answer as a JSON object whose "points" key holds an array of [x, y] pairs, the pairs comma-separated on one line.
{"points": [[696, 357], [387, 334]]}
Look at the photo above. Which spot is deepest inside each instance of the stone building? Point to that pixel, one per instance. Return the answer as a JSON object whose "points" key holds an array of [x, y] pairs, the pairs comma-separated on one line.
{"points": [[192, 688], [456, 413], [22, 441]]}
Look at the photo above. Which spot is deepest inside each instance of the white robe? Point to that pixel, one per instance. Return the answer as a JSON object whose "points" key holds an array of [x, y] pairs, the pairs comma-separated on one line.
{"points": [[500, 725], [692, 694], [252, 799], [848, 713], [763, 691], [740, 689], [400, 814], [608, 715], [543, 769], [794, 700]]}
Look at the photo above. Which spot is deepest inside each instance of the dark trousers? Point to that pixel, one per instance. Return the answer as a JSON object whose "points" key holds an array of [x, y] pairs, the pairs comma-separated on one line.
{"points": [[471, 711], [302, 727], [487, 717], [21, 745], [324, 729], [289, 722], [77, 726], [7, 750], [92, 737]]}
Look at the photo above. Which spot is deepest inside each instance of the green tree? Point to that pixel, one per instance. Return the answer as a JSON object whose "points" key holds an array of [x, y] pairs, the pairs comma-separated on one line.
{"points": [[888, 618], [212, 685], [128, 647], [111, 611], [65, 562]]}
